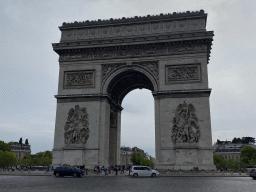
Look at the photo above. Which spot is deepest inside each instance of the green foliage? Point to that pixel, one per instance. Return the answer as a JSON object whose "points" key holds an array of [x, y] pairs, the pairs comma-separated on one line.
{"points": [[232, 164], [13, 143], [248, 158], [4, 147], [248, 155], [39, 159], [137, 159], [236, 140], [244, 140], [219, 161], [7, 158]]}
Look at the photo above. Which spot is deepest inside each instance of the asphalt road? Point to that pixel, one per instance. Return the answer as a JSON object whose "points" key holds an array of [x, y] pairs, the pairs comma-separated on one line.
{"points": [[108, 183]]}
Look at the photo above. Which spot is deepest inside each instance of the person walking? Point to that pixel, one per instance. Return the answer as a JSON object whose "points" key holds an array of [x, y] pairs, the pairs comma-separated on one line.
{"points": [[109, 170], [102, 171], [116, 169]]}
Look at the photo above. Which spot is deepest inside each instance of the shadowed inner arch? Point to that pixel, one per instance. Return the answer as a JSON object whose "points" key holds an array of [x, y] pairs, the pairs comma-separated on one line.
{"points": [[125, 82]]}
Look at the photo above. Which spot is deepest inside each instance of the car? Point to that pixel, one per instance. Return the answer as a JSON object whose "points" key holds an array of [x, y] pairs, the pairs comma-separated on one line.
{"points": [[143, 171], [62, 171], [253, 174]]}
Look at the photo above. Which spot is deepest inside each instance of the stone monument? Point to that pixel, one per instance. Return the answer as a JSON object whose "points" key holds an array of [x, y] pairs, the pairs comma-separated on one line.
{"points": [[102, 61]]}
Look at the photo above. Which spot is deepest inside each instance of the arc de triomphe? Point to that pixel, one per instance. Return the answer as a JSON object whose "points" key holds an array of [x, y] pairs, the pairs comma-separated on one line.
{"points": [[102, 61]]}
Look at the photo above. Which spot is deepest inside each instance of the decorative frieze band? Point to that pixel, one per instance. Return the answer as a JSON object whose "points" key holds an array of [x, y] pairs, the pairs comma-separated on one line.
{"points": [[78, 79], [183, 73], [134, 51], [131, 29]]}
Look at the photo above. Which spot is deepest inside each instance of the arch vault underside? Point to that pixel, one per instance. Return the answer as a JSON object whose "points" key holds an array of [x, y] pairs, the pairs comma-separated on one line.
{"points": [[102, 61]]}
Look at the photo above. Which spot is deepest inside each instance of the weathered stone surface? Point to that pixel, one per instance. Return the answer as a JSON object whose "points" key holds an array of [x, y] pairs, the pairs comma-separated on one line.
{"points": [[102, 61]]}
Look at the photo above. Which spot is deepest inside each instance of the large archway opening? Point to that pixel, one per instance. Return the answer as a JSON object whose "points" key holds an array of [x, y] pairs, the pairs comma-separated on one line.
{"points": [[138, 120]]}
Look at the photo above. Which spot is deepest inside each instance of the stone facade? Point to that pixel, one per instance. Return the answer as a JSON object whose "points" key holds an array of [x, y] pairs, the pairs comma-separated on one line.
{"points": [[102, 61], [21, 150]]}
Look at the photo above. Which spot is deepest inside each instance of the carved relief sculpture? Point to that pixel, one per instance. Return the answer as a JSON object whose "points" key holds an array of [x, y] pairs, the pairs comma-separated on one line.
{"points": [[185, 73], [77, 126], [131, 52], [79, 79], [152, 66], [185, 127], [107, 69]]}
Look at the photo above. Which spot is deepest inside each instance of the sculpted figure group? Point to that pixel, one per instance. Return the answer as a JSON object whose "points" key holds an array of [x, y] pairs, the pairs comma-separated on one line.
{"points": [[185, 127], [77, 126]]}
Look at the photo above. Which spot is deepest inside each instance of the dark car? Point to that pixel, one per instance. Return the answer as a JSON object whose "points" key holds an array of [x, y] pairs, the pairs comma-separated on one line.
{"points": [[253, 174], [67, 171]]}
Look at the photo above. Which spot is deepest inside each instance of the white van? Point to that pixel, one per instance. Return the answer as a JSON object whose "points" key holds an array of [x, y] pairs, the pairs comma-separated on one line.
{"points": [[143, 171]]}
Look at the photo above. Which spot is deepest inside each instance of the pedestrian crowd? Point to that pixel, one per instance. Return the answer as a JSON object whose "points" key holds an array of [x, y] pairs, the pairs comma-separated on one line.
{"points": [[101, 170]]}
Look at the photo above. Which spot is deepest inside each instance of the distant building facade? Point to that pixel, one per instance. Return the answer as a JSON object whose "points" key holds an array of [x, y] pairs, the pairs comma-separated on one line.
{"points": [[20, 150], [126, 154], [229, 150]]}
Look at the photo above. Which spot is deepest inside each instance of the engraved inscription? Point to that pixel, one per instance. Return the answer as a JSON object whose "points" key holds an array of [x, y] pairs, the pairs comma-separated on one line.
{"points": [[79, 79]]}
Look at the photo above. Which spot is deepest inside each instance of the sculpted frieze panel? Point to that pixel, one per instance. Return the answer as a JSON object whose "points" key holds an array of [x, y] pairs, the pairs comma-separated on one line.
{"points": [[185, 127], [76, 129], [135, 51], [76, 79], [107, 69], [151, 66], [183, 73]]}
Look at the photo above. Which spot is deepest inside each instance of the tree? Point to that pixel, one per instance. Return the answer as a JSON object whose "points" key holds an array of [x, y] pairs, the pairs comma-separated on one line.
{"points": [[248, 140], [4, 147], [26, 142], [248, 155], [236, 140], [7, 158], [138, 159], [20, 141], [219, 161], [13, 143], [39, 159]]}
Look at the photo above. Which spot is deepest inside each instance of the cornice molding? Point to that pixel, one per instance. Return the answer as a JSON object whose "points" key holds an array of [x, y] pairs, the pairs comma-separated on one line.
{"points": [[86, 98], [141, 50], [182, 93]]}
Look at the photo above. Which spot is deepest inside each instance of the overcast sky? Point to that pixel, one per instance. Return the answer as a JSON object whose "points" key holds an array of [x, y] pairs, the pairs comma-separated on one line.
{"points": [[29, 66]]}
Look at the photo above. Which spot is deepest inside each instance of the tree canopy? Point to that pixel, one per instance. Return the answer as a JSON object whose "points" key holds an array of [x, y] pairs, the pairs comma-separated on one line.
{"points": [[4, 147], [248, 155], [39, 159], [244, 140], [138, 159], [7, 158]]}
